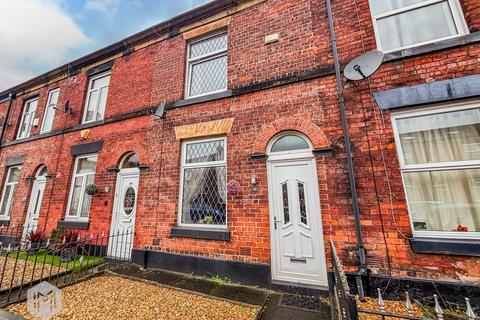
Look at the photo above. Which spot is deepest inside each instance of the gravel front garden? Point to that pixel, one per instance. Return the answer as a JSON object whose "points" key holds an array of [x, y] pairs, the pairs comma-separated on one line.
{"points": [[114, 297], [6, 272]]}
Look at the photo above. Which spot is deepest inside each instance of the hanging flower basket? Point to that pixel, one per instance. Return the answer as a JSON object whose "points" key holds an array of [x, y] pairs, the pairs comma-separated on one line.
{"points": [[233, 187], [91, 189]]}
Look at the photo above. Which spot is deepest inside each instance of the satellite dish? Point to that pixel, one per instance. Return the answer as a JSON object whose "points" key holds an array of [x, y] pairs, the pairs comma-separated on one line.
{"points": [[363, 66]]}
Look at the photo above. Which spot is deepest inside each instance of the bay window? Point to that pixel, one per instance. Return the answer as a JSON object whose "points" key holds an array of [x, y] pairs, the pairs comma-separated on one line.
{"points": [[203, 192], [96, 98], [83, 176], [11, 181], [439, 151], [401, 24], [207, 65], [27, 119]]}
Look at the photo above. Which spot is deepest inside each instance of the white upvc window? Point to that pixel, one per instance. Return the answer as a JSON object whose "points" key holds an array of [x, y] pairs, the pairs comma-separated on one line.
{"points": [[439, 152], [28, 116], [49, 115], [207, 65], [83, 175], [11, 181], [96, 98], [401, 24], [203, 183]]}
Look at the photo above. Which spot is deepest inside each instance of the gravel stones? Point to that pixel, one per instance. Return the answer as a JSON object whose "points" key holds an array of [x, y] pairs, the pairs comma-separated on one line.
{"points": [[114, 297]]}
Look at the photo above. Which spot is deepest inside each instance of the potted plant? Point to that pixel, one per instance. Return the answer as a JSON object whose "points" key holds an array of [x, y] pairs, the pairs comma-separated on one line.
{"points": [[68, 245], [91, 189], [460, 227], [36, 238]]}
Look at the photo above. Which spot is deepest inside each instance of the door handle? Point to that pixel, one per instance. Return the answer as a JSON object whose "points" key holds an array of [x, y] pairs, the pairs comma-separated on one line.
{"points": [[275, 220]]}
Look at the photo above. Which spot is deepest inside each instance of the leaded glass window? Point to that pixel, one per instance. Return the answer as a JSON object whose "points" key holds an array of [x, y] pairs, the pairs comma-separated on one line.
{"points": [[286, 209], [204, 183], [207, 65]]}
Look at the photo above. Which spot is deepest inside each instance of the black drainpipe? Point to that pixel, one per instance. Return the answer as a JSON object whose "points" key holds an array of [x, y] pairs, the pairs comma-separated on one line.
{"points": [[351, 174], [11, 96]]}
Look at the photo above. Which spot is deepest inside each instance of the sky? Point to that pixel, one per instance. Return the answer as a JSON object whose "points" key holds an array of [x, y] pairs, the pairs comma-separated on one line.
{"points": [[39, 35]]}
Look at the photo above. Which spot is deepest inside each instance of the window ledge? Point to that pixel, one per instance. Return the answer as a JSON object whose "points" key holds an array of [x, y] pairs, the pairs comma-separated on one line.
{"points": [[435, 46], [81, 225], [460, 247], [201, 99], [199, 233]]}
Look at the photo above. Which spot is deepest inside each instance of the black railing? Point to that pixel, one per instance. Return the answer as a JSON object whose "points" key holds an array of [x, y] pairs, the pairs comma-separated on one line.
{"points": [[58, 261], [344, 304]]}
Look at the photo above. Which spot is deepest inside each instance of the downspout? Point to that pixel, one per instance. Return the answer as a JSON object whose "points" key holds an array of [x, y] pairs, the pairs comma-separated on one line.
{"points": [[351, 173], [11, 96]]}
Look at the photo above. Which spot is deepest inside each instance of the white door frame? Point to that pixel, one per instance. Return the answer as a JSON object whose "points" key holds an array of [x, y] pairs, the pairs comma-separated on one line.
{"points": [[123, 173], [29, 224], [300, 157]]}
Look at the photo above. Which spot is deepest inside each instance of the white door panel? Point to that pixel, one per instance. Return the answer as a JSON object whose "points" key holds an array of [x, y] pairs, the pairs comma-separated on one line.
{"points": [[123, 216], [297, 239]]}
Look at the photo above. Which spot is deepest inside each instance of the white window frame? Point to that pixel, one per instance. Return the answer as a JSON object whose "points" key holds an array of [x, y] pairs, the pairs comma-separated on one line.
{"points": [[89, 94], [30, 119], [9, 199], [51, 105], [202, 59], [82, 192], [457, 14], [439, 166], [185, 165]]}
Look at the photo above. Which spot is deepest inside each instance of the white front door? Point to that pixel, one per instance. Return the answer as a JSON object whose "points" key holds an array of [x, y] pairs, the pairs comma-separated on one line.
{"points": [[35, 204], [124, 211], [298, 253]]}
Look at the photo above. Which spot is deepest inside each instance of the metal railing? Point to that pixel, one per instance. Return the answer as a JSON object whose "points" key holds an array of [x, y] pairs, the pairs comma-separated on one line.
{"points": [[344, 304], [58, 261]]}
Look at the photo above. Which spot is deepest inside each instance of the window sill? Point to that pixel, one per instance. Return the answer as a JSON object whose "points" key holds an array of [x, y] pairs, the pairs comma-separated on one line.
{"points": [[80, 225], [199, 233], [201, 99], [460, 247], [435, 46]]}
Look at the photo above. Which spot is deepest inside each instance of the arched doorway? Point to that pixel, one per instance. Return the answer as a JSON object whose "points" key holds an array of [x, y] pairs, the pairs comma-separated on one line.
{"points": [[297, 246], [124, 208], [36, 198]]}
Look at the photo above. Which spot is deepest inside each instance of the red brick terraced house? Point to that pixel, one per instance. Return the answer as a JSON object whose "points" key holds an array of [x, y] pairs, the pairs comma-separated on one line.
{"points": [[217, 138]]}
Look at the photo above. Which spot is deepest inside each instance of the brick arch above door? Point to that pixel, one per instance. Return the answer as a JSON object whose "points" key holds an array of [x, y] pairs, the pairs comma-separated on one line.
{"points": [[301, 125]]}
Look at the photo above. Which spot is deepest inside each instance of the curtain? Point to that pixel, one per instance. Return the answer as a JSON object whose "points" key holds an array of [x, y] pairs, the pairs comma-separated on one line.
{"points": [[442, 200]]}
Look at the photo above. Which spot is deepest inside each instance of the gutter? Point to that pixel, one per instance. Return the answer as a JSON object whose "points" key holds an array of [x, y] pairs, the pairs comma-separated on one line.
{"points": [[11, 97], [348, 150]]}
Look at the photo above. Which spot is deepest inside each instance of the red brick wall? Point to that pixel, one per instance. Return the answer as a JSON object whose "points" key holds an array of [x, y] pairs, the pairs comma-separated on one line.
{"points": [[157, 73]]}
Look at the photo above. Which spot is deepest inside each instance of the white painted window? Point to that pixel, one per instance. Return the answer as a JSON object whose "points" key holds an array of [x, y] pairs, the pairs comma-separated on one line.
{"points": [[207, 65], [49, 115], [203, 185], [83, 175], [96, 98], [401, 24], [11, 181], [439, 152], [27, 119]]}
